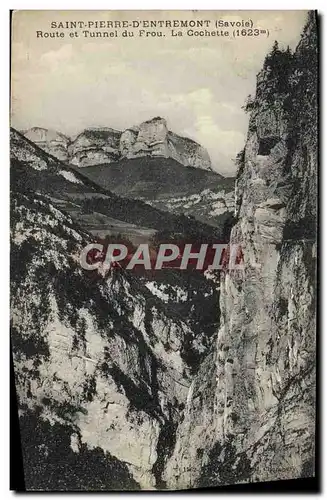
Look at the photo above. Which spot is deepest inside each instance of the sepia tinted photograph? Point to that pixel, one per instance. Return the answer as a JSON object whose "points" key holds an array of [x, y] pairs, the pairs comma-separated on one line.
{"points": [[163, 248]]}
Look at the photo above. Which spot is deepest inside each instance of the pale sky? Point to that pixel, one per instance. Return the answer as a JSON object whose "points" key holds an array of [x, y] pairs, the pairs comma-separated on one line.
{"points": [[197, 83]]}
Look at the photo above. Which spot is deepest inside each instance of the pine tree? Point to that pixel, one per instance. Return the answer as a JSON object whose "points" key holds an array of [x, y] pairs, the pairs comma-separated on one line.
{"points": [[275, 48], [249, 104]]}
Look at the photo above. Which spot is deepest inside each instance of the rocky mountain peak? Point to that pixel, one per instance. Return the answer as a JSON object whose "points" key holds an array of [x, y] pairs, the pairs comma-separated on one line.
{"points": [[153, 138], [105, 145], [156, 119], [41, 134], [51, 141]]}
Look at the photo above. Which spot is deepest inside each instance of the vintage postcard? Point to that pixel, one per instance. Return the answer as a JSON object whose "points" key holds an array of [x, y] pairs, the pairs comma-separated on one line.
{"points": [[164, 170]]}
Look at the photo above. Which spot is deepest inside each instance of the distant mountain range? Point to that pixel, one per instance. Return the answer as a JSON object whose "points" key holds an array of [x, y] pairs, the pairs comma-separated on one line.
{"points": [[96, 146], [91, 204], [148, 163]]}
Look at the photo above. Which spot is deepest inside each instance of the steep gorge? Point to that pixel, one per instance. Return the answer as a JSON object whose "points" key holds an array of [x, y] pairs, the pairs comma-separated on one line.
{"points": [[99, 360], [120, 385]]}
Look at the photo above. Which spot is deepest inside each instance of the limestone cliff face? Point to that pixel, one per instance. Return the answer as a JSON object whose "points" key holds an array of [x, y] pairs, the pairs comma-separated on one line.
{"points": [[97, 146], [152, 138], [103, 360], [250, 413], [50, 141], [188, 152], [94, 147], [97, 357], [149, 137]]}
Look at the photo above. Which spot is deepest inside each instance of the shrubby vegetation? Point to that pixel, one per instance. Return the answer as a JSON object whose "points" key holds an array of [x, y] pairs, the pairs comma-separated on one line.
{"points": [[51, 464]]}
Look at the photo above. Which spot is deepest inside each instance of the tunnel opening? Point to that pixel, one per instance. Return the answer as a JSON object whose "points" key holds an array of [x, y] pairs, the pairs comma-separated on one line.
{"points": [[266, 145]]}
